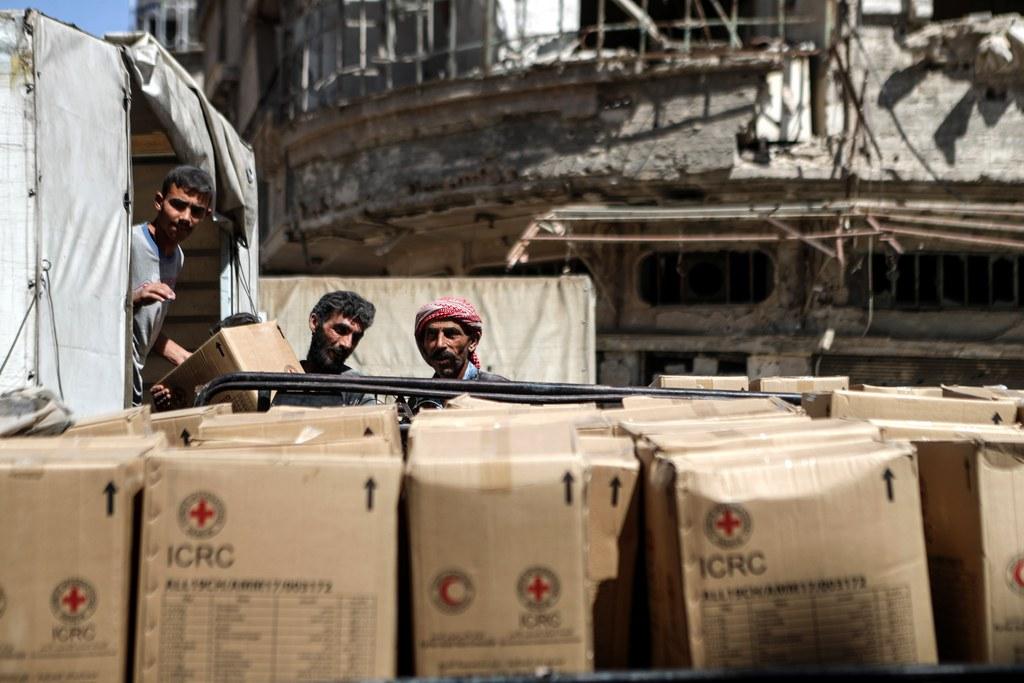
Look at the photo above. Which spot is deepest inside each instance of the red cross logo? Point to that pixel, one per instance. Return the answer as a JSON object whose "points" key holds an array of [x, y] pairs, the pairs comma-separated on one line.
{"points": [[727, 525], [201, 513], [73, 599], [538, 588]]}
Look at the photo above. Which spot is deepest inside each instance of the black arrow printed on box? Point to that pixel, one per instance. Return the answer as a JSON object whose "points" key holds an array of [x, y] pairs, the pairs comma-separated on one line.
{"points": [[370, 485], [616, 485], [110, 490], [889, 476], [568, 479], [220, 350], [997, 418], [186, 438]]}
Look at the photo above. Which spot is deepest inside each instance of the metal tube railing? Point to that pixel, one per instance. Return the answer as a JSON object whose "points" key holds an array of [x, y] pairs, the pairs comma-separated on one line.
{"points": [[512, 392]]}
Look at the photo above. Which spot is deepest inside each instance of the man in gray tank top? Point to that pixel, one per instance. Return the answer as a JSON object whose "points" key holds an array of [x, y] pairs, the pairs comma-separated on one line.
{"points": [[183, 201]]}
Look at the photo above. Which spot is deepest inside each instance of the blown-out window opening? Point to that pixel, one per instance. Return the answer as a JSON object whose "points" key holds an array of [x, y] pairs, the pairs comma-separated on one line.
{"points": [[947, 280], [706, 277]]}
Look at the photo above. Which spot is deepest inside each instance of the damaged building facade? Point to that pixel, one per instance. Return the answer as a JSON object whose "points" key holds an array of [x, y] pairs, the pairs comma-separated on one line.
{"points": [[754, 186]]}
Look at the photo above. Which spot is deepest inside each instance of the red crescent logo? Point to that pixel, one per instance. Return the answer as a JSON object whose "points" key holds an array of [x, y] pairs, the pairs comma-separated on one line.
{"points": [[1015, 574], [442, 590], [452, 591]]}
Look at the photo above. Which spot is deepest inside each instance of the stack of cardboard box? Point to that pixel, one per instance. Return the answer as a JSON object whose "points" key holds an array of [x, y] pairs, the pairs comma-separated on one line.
{"points": [[270, 548], [498, 540], [608, 499], [276, 563], [67, 506], [271, 544], [785, 543]]}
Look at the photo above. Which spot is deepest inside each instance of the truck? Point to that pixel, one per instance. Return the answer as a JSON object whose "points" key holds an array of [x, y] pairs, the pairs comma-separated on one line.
{"points": [[89, 127]]}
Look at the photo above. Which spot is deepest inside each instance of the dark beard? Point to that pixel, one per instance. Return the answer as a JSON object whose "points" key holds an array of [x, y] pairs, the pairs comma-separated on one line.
{"points": [[456, 366], [322, 357]]}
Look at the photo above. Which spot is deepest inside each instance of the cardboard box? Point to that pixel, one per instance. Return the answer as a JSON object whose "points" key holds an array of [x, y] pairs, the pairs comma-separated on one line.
{"points": [[658, 408], [799, 384], [864, 405], [508, 409], [585, 420], [992, 393], [973, 497], [269, 563], [909, 430], [256, 348], [735, 383], [465, 402], [988, 393], [130, 422], [311, 426], [497, 530], [65, 578], [934, 392], [368, 447], [614, 533], [762, 557], [778, 421], [784, 434], [179, 426], [653, 422]]}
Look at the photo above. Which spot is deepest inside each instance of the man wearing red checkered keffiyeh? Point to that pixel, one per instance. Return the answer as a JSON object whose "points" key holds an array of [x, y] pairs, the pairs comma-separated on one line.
{"points": [[448, 332]]}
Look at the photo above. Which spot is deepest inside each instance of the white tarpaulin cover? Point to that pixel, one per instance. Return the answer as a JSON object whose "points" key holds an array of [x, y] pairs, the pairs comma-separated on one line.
{"points": [[77, 224], [198, 132], [83, 159], [17, 207], [535, 329]]}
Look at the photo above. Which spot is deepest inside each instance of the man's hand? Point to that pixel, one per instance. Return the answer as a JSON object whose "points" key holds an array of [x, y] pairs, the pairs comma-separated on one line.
{"points": [[163, 397], [174, 352], [151, 293]]}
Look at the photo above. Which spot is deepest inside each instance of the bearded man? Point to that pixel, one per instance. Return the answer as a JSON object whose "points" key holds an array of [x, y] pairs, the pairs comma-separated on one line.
{"points": [[448, 332], [337, 323]]}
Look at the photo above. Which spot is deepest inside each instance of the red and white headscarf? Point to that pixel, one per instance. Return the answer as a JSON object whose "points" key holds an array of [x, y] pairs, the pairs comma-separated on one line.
{"points": [[450, 308]]}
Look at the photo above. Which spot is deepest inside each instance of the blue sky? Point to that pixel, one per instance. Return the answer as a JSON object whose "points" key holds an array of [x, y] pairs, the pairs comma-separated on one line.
{"points": [[95, 16]]}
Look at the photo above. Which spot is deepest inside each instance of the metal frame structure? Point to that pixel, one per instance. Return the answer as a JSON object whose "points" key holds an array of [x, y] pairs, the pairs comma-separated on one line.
{"points": [[315, 57], [976, 224], [534, 393]]}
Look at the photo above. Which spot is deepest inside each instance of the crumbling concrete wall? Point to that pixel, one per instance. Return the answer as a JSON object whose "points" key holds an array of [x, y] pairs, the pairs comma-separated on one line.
{"points": [[933, 122], [515, 138]]}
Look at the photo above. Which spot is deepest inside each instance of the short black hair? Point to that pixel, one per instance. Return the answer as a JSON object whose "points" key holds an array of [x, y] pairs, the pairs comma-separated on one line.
{"points": [[349, 304], [191, 179], [235, 320]]}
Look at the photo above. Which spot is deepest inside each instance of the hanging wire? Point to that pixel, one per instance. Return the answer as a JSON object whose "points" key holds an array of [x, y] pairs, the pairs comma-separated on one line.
{"points": [[871, 286], [243, 273], [53, 325]]}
